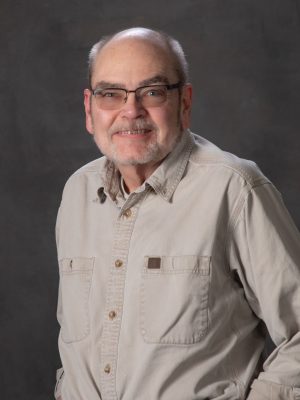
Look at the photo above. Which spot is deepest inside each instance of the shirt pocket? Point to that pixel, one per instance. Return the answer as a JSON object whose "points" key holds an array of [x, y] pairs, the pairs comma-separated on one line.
{"points": [[174, 299], [75, 282]]}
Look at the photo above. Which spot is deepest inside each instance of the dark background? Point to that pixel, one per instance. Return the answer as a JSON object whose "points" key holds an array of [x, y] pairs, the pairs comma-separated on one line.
{"points": [[245, 66]]}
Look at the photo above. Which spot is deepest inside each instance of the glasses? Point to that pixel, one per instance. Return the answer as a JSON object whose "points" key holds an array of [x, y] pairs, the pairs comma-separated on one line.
{"points": [[148, 96]]}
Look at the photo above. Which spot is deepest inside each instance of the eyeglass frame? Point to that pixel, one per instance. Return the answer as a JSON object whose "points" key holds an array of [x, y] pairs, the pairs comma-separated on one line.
{"points": [[166, 85]]}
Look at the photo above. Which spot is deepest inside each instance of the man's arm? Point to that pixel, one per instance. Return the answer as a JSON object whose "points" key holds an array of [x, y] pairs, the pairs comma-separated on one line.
{"points": [[59, 380], [264, 249], [262, 390], [60, 371]]}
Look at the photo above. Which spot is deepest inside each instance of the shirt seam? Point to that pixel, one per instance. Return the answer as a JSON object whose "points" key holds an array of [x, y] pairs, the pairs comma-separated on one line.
{"points": [[239, 207], [252, 181], [236, 215]]}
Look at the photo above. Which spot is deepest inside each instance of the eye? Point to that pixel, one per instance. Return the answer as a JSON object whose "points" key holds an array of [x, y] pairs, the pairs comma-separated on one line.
{"points": [[154, 92], [111, 93]]}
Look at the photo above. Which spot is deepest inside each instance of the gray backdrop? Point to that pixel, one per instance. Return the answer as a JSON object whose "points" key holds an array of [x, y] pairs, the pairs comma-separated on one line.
{"points": [[245, 66]]}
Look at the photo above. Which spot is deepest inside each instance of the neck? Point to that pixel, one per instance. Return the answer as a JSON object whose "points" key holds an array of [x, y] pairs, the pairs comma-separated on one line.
{"points": [[135, 175]]}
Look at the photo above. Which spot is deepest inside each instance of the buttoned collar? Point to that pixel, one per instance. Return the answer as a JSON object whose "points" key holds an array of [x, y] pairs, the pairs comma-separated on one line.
{"points": [[164, 179]]}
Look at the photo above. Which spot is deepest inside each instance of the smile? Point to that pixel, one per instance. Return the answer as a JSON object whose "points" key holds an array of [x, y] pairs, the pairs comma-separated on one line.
{"points": [[134, 132]]}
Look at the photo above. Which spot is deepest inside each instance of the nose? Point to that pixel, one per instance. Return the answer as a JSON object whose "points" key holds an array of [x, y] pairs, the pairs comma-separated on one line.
{"points": [[132, 108]]}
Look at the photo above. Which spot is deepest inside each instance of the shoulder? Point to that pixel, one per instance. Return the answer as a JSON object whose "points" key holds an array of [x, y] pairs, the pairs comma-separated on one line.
{"points": [[206, 154], [95, 166], [88, 177]]}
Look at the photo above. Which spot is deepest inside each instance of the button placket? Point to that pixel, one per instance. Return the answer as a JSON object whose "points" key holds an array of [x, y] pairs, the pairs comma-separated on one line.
{"points": [[114, 303]]}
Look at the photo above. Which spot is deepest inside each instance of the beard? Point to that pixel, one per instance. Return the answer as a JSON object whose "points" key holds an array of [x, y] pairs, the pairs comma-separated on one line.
{"points": [[151, 152]]}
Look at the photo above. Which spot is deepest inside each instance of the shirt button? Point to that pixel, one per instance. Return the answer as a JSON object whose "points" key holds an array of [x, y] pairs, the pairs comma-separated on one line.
{"points": [[112, 314], [107, 369], [118, 263], [127, 213]]}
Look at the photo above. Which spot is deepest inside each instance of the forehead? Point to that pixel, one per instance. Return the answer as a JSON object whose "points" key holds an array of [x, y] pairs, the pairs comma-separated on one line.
{"points": [[130, 61]]}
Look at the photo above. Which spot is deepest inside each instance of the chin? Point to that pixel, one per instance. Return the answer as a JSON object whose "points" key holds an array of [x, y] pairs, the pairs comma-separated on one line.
{"points": [[151, 155], [134, 161]]}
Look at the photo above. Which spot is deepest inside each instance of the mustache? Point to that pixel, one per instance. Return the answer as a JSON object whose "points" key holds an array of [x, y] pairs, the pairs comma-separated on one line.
{"points": [[132, 126]]}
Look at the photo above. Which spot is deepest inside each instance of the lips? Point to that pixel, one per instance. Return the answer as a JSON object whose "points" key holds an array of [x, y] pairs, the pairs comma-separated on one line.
{"points": [[133, 132]]}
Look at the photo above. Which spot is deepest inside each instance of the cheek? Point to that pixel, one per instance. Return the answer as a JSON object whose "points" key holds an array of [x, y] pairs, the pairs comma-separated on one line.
{"points": [[171, 120], [101, 122], [164, 118]]}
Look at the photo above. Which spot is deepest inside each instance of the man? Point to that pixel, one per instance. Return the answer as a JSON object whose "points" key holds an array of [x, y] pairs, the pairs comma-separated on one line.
{"points": [[171, 251]]}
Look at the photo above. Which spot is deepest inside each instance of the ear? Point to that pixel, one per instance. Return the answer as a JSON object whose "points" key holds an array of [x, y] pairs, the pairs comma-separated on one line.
{"points": [[88, 115], [186, 105]]}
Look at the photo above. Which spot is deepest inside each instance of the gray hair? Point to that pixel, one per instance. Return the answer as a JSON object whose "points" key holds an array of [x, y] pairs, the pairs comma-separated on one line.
{"points": [[175, 48]]}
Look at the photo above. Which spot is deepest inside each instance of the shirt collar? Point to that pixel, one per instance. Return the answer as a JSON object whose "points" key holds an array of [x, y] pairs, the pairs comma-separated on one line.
{"points": [[164, 179], [123, 190], [167, 176]]}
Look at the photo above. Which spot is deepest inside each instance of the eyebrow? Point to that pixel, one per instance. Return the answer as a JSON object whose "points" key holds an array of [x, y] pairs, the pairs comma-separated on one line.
{"points": [[106, 84], [155, 79], [145, 82]]}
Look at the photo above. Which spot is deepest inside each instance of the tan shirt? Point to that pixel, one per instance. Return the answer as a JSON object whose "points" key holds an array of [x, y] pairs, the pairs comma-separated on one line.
{"points": [[161, 294]]}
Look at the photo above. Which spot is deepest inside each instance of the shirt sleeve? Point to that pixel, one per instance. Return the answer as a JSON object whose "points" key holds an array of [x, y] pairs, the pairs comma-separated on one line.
{"points": [[262, 390], [60, 371], [264, 249], [59, 380]]}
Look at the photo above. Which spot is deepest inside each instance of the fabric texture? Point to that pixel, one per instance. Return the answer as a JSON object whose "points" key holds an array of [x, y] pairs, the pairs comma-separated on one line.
{"points": [[162, 294]]}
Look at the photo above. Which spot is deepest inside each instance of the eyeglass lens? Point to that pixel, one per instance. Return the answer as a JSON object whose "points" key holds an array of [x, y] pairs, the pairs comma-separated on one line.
{"points": [[150, 96]]}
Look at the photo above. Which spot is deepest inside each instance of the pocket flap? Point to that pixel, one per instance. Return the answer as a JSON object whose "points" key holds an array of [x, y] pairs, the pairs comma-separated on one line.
{"points": [[178, 264], [76, 264]]}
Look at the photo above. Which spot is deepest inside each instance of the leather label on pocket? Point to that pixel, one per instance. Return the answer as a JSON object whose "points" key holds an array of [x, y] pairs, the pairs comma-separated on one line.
{"points": [[154, 262]]}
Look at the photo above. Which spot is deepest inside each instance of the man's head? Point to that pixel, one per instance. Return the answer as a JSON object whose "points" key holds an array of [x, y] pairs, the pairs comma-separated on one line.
{"points": [[137, 128], [172, 45]]}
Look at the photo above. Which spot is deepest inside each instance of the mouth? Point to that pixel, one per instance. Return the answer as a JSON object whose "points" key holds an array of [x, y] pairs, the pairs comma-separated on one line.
{"points": [[133, 132]]}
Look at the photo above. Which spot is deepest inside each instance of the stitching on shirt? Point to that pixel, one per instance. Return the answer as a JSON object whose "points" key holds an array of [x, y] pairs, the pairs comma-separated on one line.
{"points": [[166, 188], [180, 170], [250, 180], [245, 192], [176, 336], [240, 204], [109, 346], [87, 275]]}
